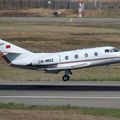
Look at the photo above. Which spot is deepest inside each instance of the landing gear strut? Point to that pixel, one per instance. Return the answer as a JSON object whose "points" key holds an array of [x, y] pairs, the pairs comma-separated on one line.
{"points": [[67, 74]]}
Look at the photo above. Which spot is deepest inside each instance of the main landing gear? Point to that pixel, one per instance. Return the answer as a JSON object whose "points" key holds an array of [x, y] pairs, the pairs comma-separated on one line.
{"points": [[67, 74]]}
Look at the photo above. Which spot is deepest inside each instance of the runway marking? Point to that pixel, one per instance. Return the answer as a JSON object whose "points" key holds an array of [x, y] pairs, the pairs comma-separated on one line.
{"points": [[55, 97]]}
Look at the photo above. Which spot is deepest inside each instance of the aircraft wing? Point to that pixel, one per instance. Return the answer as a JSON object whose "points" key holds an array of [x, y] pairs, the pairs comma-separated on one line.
{"points": [[69, 66]]}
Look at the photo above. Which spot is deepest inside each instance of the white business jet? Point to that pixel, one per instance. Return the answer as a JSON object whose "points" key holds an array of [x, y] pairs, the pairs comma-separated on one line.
{"points": [[59, 61]]}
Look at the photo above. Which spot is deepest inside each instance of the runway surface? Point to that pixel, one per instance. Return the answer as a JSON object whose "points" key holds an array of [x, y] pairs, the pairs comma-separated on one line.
{"points": [[62, 20], [51, 95]]}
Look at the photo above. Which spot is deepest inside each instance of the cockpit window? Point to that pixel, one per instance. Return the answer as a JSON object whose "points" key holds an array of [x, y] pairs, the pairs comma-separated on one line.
{"points": [[115, 50], [112, 50], [107, 51]]}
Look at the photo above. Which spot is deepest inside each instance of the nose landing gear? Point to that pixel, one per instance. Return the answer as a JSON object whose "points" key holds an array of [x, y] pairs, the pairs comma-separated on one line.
{"points": [[67, 74]]}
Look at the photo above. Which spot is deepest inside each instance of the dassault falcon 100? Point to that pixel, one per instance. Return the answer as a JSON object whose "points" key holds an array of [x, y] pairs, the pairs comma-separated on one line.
{"points": [[60, 61]]}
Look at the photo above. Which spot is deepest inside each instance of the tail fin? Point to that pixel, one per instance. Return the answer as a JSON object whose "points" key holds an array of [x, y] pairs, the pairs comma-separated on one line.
{"points": [[10, 52]]}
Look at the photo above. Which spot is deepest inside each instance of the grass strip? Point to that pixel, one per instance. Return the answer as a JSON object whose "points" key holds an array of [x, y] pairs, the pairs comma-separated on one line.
{"points": [[106, 112]]}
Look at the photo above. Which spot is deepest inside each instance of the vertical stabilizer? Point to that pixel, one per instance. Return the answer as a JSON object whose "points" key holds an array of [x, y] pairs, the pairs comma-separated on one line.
{"points": [[10, 52]]}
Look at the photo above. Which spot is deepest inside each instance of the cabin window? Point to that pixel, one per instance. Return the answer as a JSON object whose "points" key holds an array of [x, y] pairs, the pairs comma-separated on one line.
{"points": [[96, 53], [76, 56], [66, 57], [86, 54]]}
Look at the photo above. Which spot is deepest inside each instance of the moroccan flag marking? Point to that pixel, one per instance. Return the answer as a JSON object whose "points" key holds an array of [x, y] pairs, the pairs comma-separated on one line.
{"points": [[8, 46]]}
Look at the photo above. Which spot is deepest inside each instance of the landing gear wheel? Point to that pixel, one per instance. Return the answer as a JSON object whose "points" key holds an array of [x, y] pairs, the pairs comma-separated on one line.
{"points": [[66, 78]]}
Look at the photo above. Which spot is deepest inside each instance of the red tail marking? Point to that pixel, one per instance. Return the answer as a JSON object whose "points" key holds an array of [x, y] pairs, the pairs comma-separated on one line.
{"points": [[8, 46]]}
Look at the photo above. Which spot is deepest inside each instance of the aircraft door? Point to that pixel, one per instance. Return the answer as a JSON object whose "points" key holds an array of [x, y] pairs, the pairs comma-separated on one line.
{"points": [[59, 58]]}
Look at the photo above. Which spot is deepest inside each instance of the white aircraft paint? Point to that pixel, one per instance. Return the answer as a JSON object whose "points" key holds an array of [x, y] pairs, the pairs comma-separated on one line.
{"points": [[59, 61]]}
